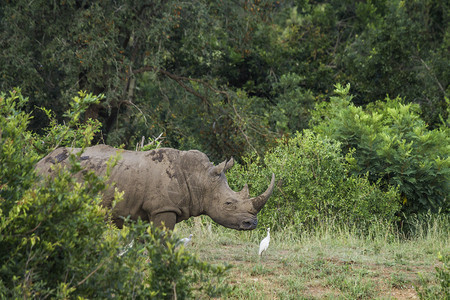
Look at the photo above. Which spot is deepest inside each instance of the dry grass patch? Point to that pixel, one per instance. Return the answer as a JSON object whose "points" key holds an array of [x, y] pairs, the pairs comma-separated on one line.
{"points": [[315, 266]]}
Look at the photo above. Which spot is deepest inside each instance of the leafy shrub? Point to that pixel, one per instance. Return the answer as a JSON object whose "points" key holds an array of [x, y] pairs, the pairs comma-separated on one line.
{"points": [[54, 241], [17, 156], [73, 133], [315, 185], [391, 143], [164, 271]]}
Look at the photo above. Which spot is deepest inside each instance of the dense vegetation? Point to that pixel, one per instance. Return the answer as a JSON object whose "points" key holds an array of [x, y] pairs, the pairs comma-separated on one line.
{"points": [[225, 77], [347, 103]]}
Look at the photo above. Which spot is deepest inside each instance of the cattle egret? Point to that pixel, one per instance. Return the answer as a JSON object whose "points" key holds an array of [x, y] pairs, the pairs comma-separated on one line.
{"points": [[126, 248], [264, 243], [185, 241]]}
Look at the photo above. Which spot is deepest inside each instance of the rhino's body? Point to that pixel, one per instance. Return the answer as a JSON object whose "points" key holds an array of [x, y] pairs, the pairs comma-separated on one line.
{"points": [[167, 186]]}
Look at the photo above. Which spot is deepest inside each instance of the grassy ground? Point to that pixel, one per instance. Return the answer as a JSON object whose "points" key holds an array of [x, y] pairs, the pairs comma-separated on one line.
{"points": [[329, 263]]}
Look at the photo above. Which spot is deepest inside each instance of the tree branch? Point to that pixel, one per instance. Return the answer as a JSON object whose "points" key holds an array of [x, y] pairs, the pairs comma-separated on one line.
{"points": [[90, 274], [433, 75], [181, 81]]}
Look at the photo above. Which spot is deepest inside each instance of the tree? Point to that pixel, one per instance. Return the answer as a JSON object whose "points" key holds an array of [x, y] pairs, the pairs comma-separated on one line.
{"points": [[52, 49], [402, 51], [224, 77]]}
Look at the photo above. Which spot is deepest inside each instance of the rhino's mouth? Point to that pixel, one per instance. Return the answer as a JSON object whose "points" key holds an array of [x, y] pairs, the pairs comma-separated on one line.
{"points": [[248, 224]]}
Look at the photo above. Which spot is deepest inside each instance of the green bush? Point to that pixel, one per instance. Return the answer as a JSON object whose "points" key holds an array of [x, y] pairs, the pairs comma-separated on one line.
{"points": [[17, 156], [392, 144], [314, 185], [54, 241], [164, 271]]}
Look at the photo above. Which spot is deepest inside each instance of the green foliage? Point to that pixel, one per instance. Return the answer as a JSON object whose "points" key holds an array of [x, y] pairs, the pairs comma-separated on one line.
{"points": [[392, 144], [54, 241], [293, 104], [315, 185], [125, 49], [42, 227], [223, 77], [18, 157], [72, 133], [223, 125], [402, 51], [441, 291], [170, 271]]}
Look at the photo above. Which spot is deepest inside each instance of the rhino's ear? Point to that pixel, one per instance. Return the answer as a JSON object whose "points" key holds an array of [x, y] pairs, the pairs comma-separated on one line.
{"points": [[222, 167], [229, 164]]}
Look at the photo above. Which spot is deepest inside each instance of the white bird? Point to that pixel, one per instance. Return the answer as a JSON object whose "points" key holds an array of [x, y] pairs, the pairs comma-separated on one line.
{"points": [[185, 241], [264, 243], [126, 248]]}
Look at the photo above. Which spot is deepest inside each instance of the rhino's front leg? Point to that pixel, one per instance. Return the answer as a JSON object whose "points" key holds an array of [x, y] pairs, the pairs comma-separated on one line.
{"points": [[164, 219]]}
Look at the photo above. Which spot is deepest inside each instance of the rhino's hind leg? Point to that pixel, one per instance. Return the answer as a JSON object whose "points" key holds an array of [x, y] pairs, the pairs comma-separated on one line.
{"points": [[165, 219]]}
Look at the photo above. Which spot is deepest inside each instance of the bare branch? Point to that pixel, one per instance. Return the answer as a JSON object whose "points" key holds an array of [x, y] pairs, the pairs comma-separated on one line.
{"points": [[90, 274], [242, 131], [181, 81], [137, 107], [434, 76]]}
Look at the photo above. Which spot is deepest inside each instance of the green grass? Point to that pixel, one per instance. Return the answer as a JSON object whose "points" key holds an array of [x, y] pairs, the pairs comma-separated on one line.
{"points": [[329, 262]]}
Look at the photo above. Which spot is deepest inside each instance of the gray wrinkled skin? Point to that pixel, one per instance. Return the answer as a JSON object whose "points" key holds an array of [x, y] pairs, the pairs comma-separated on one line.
{"points": [[166, 186]]}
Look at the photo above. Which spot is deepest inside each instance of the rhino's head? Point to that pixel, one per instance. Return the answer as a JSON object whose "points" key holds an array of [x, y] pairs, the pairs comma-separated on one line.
{"points": [[232, 209]]}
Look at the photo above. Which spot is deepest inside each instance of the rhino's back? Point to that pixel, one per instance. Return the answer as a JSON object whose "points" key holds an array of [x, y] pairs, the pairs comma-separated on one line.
{"points": [[131, 167], [94, 158], [58, 156]]}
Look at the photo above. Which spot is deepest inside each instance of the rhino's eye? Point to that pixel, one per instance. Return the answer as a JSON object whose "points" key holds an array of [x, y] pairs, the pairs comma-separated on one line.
{"points": [[230, 203]]}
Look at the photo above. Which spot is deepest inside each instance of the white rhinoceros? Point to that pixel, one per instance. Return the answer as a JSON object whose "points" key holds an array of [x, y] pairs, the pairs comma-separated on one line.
{"points": [[167, 186]]}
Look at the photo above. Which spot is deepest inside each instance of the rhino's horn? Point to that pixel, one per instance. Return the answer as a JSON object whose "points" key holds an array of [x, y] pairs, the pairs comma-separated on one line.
{"points": [[244, 193], [260, 201]]}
